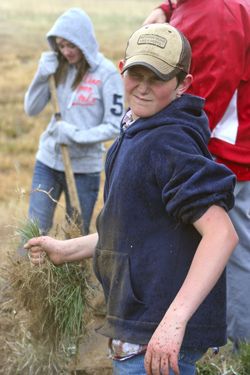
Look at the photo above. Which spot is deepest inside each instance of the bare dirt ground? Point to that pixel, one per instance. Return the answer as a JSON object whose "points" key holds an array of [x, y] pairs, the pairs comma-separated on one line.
{"points": [[93, 355]]}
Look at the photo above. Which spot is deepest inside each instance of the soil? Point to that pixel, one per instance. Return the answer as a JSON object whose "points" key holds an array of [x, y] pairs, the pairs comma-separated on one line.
{"points": [[93, 351], [93, 354]]}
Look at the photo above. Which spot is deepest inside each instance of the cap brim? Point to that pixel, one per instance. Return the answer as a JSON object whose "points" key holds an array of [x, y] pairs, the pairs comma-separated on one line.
{"points": [[159, 67]]}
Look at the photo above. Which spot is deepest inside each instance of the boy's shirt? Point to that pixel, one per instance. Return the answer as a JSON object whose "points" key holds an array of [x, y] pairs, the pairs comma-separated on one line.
{"points": [[127, 120]]}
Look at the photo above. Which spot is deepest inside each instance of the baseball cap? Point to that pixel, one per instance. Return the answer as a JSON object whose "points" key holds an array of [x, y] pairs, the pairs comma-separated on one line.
{"points": [[161, 48]]}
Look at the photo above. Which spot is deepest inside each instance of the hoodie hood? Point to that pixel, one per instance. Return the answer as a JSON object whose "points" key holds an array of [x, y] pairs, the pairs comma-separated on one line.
{"points": [[76, 27], [186, 111]]}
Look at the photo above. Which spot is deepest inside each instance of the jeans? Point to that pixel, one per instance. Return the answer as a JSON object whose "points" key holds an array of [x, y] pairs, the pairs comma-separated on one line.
{"points": [[42, 207], [238, 269], [135, 365]]}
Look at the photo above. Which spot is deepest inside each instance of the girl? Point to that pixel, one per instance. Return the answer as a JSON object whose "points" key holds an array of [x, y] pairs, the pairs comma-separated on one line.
{"points": [[90, 96]]}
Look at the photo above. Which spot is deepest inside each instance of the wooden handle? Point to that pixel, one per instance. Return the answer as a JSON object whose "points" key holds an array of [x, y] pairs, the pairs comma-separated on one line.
{"points": [[54, 100], [69, 175], [70, 179]]}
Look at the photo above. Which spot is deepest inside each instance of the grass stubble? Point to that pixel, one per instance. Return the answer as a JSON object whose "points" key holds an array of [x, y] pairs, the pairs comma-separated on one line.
{"points": [[45, 311]]}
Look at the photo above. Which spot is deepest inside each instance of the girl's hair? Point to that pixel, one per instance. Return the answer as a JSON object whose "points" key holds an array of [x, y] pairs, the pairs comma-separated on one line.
{"points": [[62, 69]]}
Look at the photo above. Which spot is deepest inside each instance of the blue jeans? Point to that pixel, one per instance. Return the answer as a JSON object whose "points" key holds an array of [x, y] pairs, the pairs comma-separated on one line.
{"points": [[41, 206], [238, 269], [135, 365]]}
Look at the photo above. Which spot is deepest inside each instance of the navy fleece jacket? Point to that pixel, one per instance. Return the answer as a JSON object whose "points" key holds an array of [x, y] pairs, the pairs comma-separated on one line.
{"points": [[160, 178]]}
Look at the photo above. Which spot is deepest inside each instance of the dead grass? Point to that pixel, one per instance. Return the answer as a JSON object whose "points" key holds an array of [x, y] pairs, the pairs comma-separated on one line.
{"points": [[44, 313]]}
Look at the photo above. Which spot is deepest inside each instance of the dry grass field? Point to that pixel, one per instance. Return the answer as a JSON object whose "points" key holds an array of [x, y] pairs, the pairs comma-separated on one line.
{"points": [[23, 26]]}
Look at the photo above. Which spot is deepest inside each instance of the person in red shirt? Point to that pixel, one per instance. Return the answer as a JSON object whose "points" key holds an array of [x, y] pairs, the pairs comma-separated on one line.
{"points": [[218, 32]]}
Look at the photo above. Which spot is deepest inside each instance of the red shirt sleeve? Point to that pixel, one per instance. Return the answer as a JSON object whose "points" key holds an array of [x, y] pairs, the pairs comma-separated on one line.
{"points": [[168, 8]]}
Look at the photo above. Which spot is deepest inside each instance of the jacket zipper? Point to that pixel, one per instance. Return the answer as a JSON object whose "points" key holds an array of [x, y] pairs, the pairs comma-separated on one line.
{"points": [[111, 159]]}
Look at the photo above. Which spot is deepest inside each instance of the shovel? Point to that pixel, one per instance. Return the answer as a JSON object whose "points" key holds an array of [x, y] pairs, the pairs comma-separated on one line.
{"points": [[70, 179]]}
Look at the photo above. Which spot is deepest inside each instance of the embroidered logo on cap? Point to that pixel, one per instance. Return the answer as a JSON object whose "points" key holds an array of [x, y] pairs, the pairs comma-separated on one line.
{"points": [[153, 39]]}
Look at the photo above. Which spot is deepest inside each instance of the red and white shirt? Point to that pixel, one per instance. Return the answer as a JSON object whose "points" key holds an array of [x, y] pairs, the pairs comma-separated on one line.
{"points": [[219, 35]]}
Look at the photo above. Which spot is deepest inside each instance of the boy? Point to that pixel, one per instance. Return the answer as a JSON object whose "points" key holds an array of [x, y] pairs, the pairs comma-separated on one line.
{"points": [[164, 236], [221, 70]]}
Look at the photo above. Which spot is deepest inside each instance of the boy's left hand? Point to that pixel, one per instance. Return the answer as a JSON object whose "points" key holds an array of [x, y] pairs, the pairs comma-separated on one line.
{"points": [[163, 348]]}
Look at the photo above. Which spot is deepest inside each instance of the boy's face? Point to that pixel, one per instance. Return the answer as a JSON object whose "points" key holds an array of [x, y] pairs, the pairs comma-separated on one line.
{"points": [[146, 93]]}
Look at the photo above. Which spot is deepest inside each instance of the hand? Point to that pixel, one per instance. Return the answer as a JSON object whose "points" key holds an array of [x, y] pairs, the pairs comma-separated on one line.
{"points": [[65, 132], [39, 246], [62, 131], [48, 63], [164, 346], [53, 128], [156, 16]]}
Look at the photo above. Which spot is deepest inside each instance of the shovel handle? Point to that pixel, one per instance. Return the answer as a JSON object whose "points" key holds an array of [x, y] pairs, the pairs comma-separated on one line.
{"points": [[70, 179]]}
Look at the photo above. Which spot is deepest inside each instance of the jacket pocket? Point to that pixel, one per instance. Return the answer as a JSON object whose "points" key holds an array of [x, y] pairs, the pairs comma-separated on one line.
{"points": [[113, 271]]}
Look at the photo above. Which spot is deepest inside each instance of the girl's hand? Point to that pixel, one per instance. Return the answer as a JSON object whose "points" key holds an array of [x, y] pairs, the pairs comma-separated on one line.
{"points": [[48, 63]]}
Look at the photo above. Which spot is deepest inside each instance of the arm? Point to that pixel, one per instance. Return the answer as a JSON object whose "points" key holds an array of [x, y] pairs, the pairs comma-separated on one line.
{"points": [[109, 128], [38, 93], [37, 96], [218, 241], [60, 251], [156, 16], [161, 14]]}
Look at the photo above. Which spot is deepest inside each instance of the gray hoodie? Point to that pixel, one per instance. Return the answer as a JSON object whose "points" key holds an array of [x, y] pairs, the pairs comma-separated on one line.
{"points": [[91, 113]]}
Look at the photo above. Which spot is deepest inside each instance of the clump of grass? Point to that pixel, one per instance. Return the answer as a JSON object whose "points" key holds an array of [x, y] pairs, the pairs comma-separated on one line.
{"points": [[226, 362], [55, 304], [28, 230], [22, 352], [244, 354], [57, 296]]}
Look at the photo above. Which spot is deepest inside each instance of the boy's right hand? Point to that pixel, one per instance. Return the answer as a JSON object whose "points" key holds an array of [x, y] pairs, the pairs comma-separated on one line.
{"points": [[48, 63], [37, 247]]}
